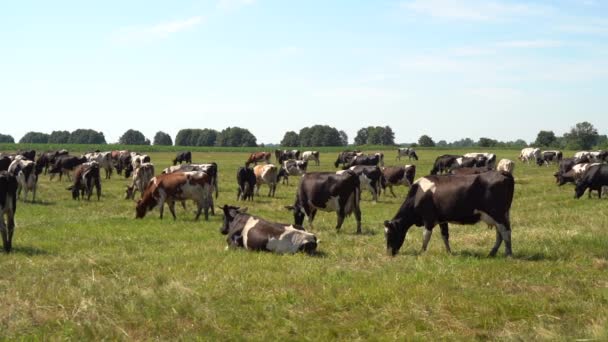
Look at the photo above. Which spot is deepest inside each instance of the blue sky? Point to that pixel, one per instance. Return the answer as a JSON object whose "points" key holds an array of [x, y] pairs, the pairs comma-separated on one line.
{"points": [[450, 69]]}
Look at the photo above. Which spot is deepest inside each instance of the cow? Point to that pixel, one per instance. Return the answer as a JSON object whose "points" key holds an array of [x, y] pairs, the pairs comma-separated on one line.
{"points": [[483, 158], [529, 154], [209, 168], [602, 156], [574, 174], [283, 155], [5, 162], [364, 160], [24, 170], [104, 159], [371, 177], [121, 159], [345, 157], [246, 181], [564, 166], [254, 233], [470, 170], [45, 160], [546, 157], [178, 186], [291, 168], [595, 178], [29, 155], [399, 175], [8, 208], [311, 155], [266, 174], [64, 164], [406, 151], [183, 157], [86, 177], [327, 191], [463, 199], [257, 157], [138, 159], [141, 177], [585, 157], [464, 162], [444, 163], [505, 165]]}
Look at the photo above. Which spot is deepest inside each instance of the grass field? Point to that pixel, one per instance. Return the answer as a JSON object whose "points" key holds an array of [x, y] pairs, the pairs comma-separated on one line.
{"points": [[89, 270]]}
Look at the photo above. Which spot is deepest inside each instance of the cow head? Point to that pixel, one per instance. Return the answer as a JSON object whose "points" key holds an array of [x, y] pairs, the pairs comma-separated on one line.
{"points": [[129, 193], [413, 155], [394, 233], [75, 192], [230, 213], [298, 213], [580, 188]]}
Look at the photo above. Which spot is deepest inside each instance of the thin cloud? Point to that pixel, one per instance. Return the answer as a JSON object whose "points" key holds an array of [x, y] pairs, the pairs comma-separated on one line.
{"points": [[471, 10], [530, 44], [228, 5], [161, 30]]}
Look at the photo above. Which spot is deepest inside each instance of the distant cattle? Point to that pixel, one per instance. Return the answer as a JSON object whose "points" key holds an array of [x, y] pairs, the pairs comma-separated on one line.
{"points": [[8, 207], [64, 164], [345, 157], [141, 177], [121, 160], [483, 158], [47, 159], [529, 154], [291, 168], [246, 183], [283, 155], [328, 191], [365, 160], [24, 171], [266, 174], [444, 163], [86, 178], [399, 175], [254, 233], [178, 186], [256, 157], [505, 165], [183, 157], [210, 168], [104, 159], [586, 157], [370, 177], [465, 199], [594, 178], [564, 166], [311, 155], [138, 159], [407, 152], [466, 162], [548, 157]]}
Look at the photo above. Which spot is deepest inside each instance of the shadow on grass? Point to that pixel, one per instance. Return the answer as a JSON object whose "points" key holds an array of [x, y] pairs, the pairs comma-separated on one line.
{"points": [[318, 254], [29, 251], [40, 203], [516, 256]]}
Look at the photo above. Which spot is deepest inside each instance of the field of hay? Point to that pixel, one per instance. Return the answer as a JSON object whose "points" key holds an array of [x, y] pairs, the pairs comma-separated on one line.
{"points": [[89, 270]]}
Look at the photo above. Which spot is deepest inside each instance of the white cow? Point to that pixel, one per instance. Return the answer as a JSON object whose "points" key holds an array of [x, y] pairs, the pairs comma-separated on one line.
{"points": [[27, 179], [104, 159], [529, 154], [141, 177], [505, 165]]}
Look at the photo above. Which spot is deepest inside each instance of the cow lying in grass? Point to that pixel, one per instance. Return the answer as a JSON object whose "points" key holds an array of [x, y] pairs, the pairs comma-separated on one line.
{"points": [[254, 233]]}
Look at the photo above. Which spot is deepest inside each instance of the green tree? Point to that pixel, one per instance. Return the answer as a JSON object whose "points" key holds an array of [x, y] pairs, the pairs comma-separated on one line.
{"points": [[322, 135], [6, 139], [375, 136], [59, 137], [236, 137], [343, 138], [426, 141], [466, 142], [133, 137], [583, 136], [361, 137], [487, 142], [442, 143], [545, 139], [34, 138], [163, 139], [206, 137], [87, 136], [291, 139]]}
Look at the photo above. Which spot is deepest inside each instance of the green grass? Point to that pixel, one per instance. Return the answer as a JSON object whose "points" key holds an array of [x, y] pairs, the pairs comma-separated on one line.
{"points": [[89, 270]]}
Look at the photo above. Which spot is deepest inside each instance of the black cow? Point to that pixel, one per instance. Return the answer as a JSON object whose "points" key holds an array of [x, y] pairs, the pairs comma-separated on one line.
{"points": [[564, 166], [345, 157], [254, 233], [444, 163], [246, 180], [371, 177], [364, 160], [5, 162], [8, 207], [29, 155], [124, 163], [65, 164], [328, 191], [465, 199], [399, 175], [86, 177], [183, 157], [594, 178]]}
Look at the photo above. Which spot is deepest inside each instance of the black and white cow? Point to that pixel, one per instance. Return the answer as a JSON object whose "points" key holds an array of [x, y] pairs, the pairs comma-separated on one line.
{"points": [[29, 155], [328, 191], [399, 175], [529, 154], [183, 157], [365, 160], [465, 199], [141, 178], [246, 180], [311, 155], [595, 178], [574, 174], [444, 163], [506, 165], [483, 158], [254, 233], [370, 177], [86, 178], [406, 152], [64, 164], [291, 168], [104, 160], [547, 157], [27, 178], [345, 157], [283, 155], [8, 207]]}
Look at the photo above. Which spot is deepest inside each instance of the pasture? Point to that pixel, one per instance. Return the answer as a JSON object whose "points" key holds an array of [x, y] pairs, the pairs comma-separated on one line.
{"points": [[89, 270]]}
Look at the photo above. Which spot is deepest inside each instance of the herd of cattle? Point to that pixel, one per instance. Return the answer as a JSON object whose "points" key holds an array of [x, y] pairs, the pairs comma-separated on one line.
{"points": [[462, 189]]}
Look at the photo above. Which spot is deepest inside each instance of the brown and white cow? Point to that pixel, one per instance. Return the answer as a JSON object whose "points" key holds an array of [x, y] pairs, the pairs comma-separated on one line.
{"points": [[254, 233], [178, 186], [141, 177], [8, 207], [399, 175], [266, 174], [86, 177], [27, 179], [258, 157], [460, 199], [210, 168]]}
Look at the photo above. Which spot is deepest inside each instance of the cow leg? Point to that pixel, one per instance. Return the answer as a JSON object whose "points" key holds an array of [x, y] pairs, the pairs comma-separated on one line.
{"points": [[445, 234], [340, 220], [426, 236], [171, 205], [311, 217], [497, 243], [4, 233], [357, 210], [390, 187], [505, 232]]}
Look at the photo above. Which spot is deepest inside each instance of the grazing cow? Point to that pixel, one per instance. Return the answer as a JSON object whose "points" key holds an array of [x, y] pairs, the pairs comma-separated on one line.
{"points": [[5, 162], [210, 169], [27, 179], [371, 177], [29, 155], [564, 166], [406, 151], [444, 163], [574, 174], [465, 199], [506, 165], [104, 159], [483, 159], [546, 157], [178, 186], [47, 160], [258, 157], [399, 175], [121, 160], [266, 174], [254, 233], [283, 155], [585, 157], [291, 168], [345, 157], [328, 191], [364, 160], [138, 159], [141, 177], [8, 207], [86, 177], [594, 178], [183, 157], [246, 181], [311, 155], [65, 164], [529, 154]]}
